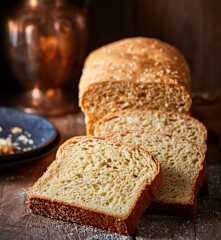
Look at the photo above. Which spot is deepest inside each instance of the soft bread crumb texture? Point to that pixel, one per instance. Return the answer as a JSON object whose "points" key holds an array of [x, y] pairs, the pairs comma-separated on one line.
{"points": [[110, 97], [170, 123], [133, 73], [181, 163], [97, 175]]}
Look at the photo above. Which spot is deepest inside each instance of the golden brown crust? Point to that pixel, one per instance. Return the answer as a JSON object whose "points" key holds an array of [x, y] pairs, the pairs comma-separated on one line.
{"points": [[136, 61], [66, 212], [164, 60], [73, 213]]}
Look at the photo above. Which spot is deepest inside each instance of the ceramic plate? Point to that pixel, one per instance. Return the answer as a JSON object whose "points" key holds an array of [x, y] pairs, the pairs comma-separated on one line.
{"points": [[31, 135]]}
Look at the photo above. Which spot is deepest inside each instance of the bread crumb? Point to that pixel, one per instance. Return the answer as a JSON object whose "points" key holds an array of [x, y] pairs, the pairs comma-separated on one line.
{"points": [[25, 140], [6, 146], [16, 130], [14, 141]]}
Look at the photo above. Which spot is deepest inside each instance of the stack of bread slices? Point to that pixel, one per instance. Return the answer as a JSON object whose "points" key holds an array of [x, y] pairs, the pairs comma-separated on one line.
{"points": [[143, 149]]}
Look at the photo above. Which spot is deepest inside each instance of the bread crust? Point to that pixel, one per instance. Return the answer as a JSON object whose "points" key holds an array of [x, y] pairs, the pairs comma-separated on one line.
{"points": [[162, 53], [74, 213], [66, 212], [138, 60]]}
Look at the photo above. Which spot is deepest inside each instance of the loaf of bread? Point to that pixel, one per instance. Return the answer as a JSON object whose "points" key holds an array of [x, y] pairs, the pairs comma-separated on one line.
{"points": [[171, 123], [182, 170], [131, 74], [96, 182]]}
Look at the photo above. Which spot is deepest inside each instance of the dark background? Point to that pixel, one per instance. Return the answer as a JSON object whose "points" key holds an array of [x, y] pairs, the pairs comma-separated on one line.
{"points": [[191, 25]]}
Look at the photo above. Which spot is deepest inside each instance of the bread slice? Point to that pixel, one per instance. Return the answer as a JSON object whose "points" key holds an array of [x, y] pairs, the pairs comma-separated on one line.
{"points": [[182, 169], [171, 123], [96, 182], [131, 74]]}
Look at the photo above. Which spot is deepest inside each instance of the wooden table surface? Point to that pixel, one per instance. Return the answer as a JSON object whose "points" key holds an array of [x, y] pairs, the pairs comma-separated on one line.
{"points": [[16, 222]]}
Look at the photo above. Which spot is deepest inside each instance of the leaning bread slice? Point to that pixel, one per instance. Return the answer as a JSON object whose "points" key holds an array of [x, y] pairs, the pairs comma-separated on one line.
{"points": [[96, 182], [182, 170], [172, 123], [131, 74]]}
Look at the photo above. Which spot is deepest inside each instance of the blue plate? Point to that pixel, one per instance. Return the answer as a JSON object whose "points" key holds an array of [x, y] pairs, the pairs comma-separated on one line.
{"points": [[33, 135]]}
